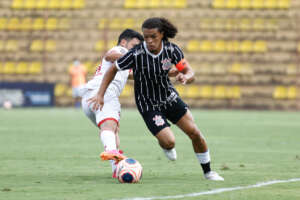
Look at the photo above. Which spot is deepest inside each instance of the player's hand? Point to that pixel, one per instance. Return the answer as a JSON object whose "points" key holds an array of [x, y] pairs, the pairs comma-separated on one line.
{"points": [[181, 78], [97, 102]]}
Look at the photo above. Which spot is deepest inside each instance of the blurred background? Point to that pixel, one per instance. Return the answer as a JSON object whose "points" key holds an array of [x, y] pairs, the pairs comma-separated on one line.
{"points": [[245, 52]]}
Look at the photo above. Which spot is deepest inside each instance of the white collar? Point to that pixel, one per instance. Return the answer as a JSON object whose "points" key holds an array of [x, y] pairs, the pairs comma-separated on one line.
{"points": [[162, 48]]}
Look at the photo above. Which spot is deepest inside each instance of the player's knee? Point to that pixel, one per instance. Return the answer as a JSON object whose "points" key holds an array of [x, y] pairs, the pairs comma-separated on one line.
{"points": [[195, 134], [168, 144]]}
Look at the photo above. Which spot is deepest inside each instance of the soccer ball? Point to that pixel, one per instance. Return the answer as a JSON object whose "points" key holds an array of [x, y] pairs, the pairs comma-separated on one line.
{"points": [[129, 170]]}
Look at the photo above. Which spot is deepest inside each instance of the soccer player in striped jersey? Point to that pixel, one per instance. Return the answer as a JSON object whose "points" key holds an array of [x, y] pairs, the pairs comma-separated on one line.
{"points": [[156, 98], [108, 118]]}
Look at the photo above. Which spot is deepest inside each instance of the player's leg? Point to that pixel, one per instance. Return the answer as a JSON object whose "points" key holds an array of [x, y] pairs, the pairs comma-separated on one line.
{"points": [[159, 127], [188, 126]]}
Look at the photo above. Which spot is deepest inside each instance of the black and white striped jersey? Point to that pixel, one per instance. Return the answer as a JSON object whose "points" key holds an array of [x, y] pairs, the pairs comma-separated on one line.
{"points": [[152, 86]]}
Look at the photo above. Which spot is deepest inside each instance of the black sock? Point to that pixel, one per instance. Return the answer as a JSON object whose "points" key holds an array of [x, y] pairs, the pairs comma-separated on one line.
{"points": [[206, 167]]}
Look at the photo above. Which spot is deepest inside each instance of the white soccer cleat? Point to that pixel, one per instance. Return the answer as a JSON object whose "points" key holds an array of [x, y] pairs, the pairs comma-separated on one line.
{"points": [[213, 176], [171, 154]]}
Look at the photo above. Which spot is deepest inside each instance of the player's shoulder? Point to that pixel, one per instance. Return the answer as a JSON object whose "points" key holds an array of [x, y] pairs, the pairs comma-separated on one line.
{"points": [[170, 46], [119, 49], [137, 49]]}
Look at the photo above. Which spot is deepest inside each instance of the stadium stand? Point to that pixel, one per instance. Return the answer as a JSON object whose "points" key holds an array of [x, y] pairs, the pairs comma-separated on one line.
{"points": [[245, 53]]}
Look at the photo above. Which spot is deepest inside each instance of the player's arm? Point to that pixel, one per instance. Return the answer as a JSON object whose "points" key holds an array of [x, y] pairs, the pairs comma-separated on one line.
{"points": [[186, 74], [98, 100], [112, 56], [173, 72]]}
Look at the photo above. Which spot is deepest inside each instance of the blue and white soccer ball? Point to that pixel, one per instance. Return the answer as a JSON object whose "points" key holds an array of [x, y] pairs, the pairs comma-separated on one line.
{"points": [[129, 170]]}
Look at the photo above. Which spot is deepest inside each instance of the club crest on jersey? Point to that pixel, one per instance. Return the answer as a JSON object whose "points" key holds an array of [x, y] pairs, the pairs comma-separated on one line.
{"points": [[159, 121], [166, 64]]}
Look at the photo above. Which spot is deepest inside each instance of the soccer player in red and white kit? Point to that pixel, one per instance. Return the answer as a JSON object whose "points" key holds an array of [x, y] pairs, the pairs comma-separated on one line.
{"points": [[108, 118]]}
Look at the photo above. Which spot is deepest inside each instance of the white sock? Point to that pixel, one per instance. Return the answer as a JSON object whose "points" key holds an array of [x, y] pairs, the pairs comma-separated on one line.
{"points": [[203, 158], [108, 139], [113, 165]]}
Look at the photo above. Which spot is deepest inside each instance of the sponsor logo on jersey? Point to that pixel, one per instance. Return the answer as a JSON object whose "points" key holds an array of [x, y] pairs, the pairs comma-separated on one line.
{"points": [[138, 52]]}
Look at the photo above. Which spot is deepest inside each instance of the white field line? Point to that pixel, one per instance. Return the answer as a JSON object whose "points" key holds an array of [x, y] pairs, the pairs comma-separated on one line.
{"points": [[215, 191]]}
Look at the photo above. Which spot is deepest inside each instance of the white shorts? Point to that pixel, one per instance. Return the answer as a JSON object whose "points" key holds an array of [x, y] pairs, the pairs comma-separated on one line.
{"points": [[110, 111]]}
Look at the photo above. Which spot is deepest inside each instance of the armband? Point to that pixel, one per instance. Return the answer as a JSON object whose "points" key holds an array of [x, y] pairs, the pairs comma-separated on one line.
{"points": [[181, 65]]}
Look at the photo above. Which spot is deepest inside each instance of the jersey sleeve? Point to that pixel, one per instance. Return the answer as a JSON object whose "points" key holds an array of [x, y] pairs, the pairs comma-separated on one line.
{"points": [[177, 54], [126, 61]]}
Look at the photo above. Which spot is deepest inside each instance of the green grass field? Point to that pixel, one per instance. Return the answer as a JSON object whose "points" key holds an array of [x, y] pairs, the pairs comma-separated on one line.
{"points": [[52, 154]]}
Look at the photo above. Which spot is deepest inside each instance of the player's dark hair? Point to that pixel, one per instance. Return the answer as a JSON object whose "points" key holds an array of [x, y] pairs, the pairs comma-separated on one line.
{"points": [[129, 34], [163, 25]]}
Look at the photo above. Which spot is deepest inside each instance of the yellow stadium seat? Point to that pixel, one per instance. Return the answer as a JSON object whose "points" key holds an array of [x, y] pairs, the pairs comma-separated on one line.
{"points": [[192, 91], [219, 4], [78, 4], [35, 68], [232, 46], [270, 4], [292, 92], [206, 91], [179, 3], [17, 4], [90, 66], [127, 91], [63, 24], [42, 4], [54, 4], [280, 92], [245, 24], [260, 46], [100, 46], [22, 68], [37, 45], [219, 23], [205, 46], [26, 24], [298, 48], [245, 4], [2, 45], [3, 22], [38, 24], [30, 4], [284, 4], [128, 23], [233, 92], [291, 69], [69, 92], [112, 43], [232, 4], [115, 24], [12, 45], [142, 4], [259, 24], [231, 24], [13, 24], [235, 68], [206, 23], [193, 45], [60, 89], [103, 23], [51, 24], [50, 45], [9, 68], [246, 46], [181, 90], [220, 46], [219, 92], [130, 3], [66, 4], [154, 4], [257, 4]]}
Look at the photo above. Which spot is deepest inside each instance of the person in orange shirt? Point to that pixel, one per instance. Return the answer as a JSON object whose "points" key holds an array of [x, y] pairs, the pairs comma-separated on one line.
{"points": [[78, 78]]}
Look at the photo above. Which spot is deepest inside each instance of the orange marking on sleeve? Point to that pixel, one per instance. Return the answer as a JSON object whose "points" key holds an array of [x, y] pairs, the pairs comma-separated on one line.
{"points": [[181, 65]]}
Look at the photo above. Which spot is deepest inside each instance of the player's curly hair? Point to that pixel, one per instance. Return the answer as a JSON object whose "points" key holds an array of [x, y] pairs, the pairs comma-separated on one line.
{"points": [[163, 25]]}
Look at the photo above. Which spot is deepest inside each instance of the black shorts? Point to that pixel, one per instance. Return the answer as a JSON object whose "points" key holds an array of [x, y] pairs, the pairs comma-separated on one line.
{"points": [[156, 120]]}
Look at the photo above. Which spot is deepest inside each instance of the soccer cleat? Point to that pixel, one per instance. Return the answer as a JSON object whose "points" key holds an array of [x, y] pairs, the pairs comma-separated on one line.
{"points": [[171, 154], [213, 176], [112, 155]]}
